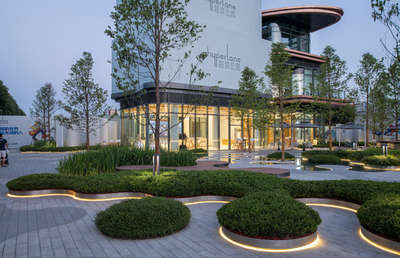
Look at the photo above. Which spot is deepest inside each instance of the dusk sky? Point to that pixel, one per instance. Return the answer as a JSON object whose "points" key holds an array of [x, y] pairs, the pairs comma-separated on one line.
{"points": [[41, 39]]}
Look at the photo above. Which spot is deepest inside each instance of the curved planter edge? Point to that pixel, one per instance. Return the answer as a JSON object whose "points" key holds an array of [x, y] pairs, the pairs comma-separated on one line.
{"points": [[380, 242], [283, 245]]}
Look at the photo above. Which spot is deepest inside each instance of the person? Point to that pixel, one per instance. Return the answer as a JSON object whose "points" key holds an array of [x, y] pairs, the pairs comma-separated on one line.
{"points": [[3, 150]]}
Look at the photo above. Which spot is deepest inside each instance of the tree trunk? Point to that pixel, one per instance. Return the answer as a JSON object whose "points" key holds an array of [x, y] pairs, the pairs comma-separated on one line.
{"points": [[330, 130], [87, 133], [248, 132], [397, 126], [282, 129], [48, 126], [156, 168], [367, 123]]}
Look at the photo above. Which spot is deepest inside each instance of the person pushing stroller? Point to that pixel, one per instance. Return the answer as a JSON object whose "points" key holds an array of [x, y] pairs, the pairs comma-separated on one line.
{"points": [[3, 151]]}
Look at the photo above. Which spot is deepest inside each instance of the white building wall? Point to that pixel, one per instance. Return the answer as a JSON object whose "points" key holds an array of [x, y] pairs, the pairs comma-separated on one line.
{"points": [[232, 38], [107, 132]]}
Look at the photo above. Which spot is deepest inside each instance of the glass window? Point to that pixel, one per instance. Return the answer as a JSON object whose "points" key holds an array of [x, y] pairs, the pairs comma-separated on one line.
{"points": [[224, 128], [201, 131], [175, 126]]}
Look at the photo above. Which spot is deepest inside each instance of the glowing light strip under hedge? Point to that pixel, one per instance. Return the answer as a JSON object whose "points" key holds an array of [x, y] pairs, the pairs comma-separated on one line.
{"points": [[267, 250]]}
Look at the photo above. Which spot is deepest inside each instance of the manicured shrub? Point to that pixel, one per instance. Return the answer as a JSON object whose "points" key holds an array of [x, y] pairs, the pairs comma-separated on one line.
{"points": [[107, 159], [272, 215], [324, 159], [360, 155], [53, 148], [382, 161], [197, 183], [382, 216], [278, 156], [143, 219]]}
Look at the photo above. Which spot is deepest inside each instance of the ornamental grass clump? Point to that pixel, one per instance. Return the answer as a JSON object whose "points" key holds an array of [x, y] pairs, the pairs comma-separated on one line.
{"points": [[107, 159], [143, 219]]}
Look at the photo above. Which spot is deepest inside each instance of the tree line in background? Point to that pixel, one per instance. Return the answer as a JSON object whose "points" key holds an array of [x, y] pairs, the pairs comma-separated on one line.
{"points": [[8, 105], [84, 102]]}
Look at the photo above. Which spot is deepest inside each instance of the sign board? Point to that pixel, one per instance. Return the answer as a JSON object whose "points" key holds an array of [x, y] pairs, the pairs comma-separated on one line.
{"points": [[15, 129]]}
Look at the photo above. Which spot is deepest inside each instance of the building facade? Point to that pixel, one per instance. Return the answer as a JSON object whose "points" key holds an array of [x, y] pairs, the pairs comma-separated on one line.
{"points": [[237, 34]]}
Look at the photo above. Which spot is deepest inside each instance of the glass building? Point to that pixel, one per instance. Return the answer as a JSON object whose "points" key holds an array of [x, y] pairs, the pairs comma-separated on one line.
{"points": [[192, 118]]}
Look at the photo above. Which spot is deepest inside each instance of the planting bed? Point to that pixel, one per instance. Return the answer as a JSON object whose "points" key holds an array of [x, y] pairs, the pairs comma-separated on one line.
{"points": [[142, 219]]}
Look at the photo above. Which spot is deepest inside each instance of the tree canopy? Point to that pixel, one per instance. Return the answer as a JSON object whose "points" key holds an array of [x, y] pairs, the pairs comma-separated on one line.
{"points": [[8, 105]]}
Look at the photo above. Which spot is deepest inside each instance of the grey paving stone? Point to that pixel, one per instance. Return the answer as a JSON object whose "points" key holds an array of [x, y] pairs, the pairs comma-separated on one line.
{"points": [[63, 227]]}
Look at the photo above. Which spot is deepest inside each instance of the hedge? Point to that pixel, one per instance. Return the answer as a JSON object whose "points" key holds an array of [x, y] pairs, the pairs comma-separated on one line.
{"points": [[324, 159], [271, 215], [107, 159], [45, 146], [197, 183], [382, 216], [382, 161], [143, 219], [278, 156]]}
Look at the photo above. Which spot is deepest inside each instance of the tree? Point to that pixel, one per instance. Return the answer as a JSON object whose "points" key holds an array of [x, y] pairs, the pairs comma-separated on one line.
{"points": [[280, 74], [332, 84], [245, 101], [380, 108], [145, 34], [367, 78], [43, 108], [388, 12], [85, 100], [393, 80], [8, 106]]}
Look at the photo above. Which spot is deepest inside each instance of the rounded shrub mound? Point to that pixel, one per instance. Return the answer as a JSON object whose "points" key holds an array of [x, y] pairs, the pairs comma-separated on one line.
{"points": [[382, 161], [324, 159], [382, 216], [143, 219], [278, 156], [269, 215]]}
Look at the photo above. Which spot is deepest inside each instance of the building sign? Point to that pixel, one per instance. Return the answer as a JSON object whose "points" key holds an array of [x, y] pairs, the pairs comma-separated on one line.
{"points": [[15, 129], [223, 7], [10, 131], [225, 61]]}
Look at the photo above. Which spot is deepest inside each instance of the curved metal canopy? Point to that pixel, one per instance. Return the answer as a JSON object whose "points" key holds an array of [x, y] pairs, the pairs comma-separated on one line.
{"points": [[311, 18]]}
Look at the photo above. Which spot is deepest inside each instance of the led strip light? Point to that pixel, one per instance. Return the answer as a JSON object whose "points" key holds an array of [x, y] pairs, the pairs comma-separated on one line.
{"points": [[267, 250], [221, 233]]}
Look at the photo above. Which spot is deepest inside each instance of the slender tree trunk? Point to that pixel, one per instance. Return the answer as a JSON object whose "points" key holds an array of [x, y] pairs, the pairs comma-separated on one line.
{"points": [[367, 122], [48, 125], [43, 126], [282, 129], [248, 132], [397, 125], [87, 129], [87, 125], [330, 130], [158, 104]]}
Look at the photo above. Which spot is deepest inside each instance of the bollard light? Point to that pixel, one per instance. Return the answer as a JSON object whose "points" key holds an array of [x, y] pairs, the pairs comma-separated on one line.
{"points": [[298, 162], [385, 149]]}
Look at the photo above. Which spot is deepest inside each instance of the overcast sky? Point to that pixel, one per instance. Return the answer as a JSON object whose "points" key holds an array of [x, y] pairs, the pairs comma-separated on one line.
{"points": [[41, 39]]}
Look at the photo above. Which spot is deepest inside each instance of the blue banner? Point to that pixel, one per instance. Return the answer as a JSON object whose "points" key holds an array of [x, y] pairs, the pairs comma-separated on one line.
{"points": [[10, 131]]}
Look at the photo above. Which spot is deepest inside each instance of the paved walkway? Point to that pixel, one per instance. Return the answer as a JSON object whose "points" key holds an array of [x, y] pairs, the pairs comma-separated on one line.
{"points": [[63, 227]]}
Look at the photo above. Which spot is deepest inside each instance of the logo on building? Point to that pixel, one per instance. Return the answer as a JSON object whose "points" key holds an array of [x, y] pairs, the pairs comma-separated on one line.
{"points": [[225, 61], [223, 7], [10, 131]]}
